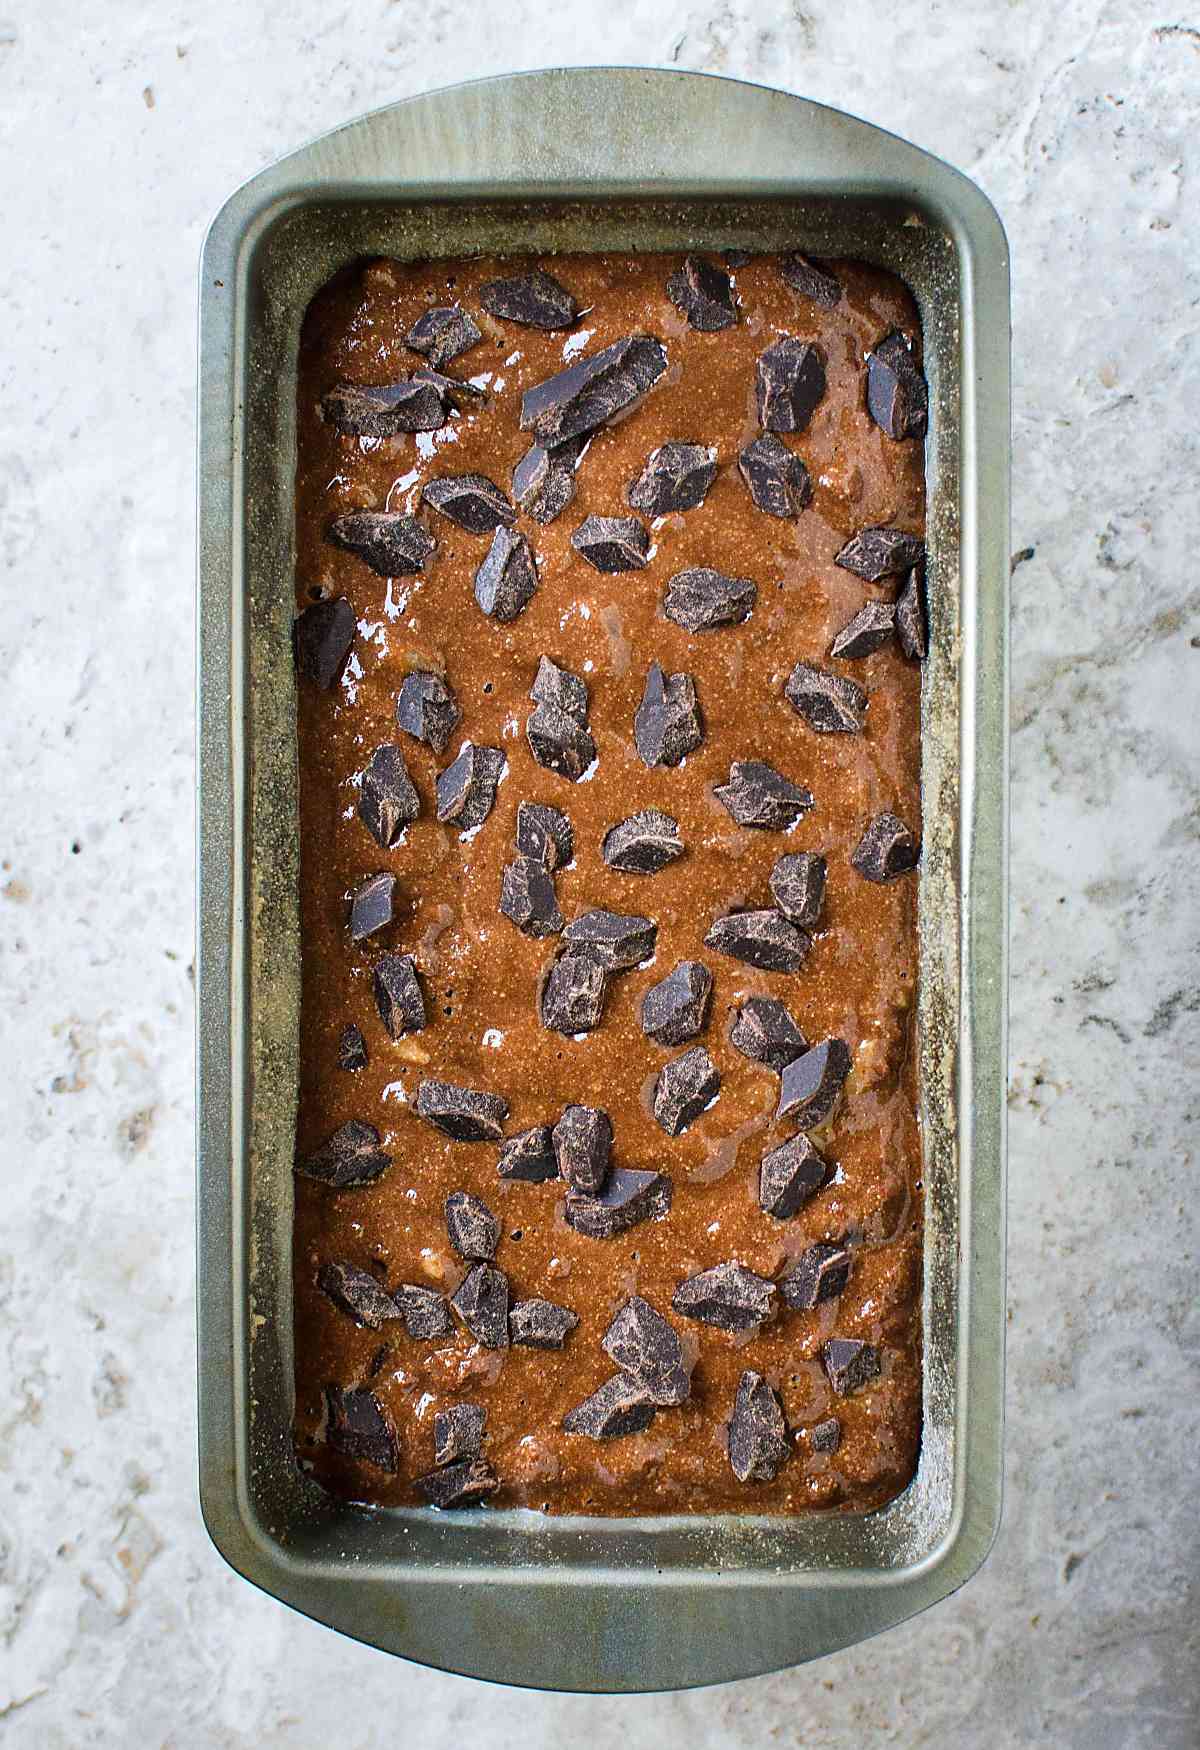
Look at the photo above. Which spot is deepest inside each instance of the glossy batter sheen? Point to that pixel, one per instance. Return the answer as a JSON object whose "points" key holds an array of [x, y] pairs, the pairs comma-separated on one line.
{"points": [[480, 974]]}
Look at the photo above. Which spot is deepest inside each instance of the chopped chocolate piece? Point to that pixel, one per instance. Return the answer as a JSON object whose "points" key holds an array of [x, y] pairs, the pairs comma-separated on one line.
{"points": [[897, 394], [700, 598], [879, 552], [761, 938], [545, 833], [427, 709], [766, 1033], [352, 1048], [536, 300], [540, 1324], [560, 743], [704, 295], [572, 999], [612, 543], [442, 334], [527, 897], [887, 850], [593, 391], [912, 627], [372, 907], [559, 688], [667, 725], [481, 1302], [621, 1406], [630, 1196], [758, 1441], [466, 790], [398, 994], [735, 258], [351, 1156], [674, 1010], [507, 580], [728, 1296], [826, 1436], [582, 1144], [872, 627], [819, 1274], [811, 281], [644, 1345], [777, 480], [643, 844], [676, 477], [454, 391], [543, 481], [828, 703], [458, 1432], [472, 501], [685, 1087], [789, 1176], [797, 885], [388, 799], [474, 1231], [466, 1114], [426, 1313], [810, 1085], [849, 1364], [529, 1157], [383, 410], [359, 1427], [615, 939], [357, 1292], [459, 1485], [391, 543], [790, 382], [757, 795], [321, 640]]}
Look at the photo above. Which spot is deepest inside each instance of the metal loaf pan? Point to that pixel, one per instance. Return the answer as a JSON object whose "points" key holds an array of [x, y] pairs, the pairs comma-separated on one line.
{"points": [[591, 159]]}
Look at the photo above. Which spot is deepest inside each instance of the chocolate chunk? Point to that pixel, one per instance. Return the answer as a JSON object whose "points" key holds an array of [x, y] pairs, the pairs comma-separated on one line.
{"points": [[454, 391], [766, 1033], [466, 790], [643, 844], [735, 258], [561, 689], [351, 1156], [758, 1441], [676, 477], [543, 481], [458, 1433], [617, 940], [357, 1292], [887, 850], [383, 410], [760, 938], [777, 480], [797, 885], [358, 1426], [352, 1048], [427, 709], [685, 1087], [911, 625], [442, 334], [527, 897], [811, 281], [536, 300], [425, 1312], [321, 640], [897, 394], [700, 598], [391, 543], [674, 1009], [560, 743], [540, 1324], [474, 1231], [789, 1176], [621, 1406], [459, 1485], [789, 383], [704, 295], [572, 999], [757, 795], [466, 1114], [849, 1364], [819, 1274], [728, 1296], [582, 1144], [646, 1347], [810, 1085], [828, 703], [529, 1157], [545, 833], [667, 725], [481, 1302], [594, 390], [398, 994], [372, 907], [472, 501], [507, 580], [826, 1436], [872, 627], [879, 552], [388, 799], [630, 1196], [612, 543]]}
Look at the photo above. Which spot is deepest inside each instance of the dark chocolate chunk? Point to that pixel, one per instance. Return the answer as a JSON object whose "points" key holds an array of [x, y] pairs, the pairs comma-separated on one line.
{"points": [[507, 580], [481, 1302], [391, 543], [466, 1114], [543, 481], [398, 994], [540, 1324], [757, 795], [764, 939], [465, 1484], [828, 703], [758, 1441], [667, 725], [872, 627], [529, 1157], [454, 391], [880, 552], [789, 383], [442, 334], [358, 1426], [700, 598], [527, 897], [466, 790], [427, 709], [388, 799], [357, 1292], [728, 1296], [372, 907], [644, 1345], [617, 940], [887, 850], [321, 640], [474, 1231], [819, 1274], [630, 1195], [735, 258], [545, 834], [383, 410], [612, 543], [704, 295], [560, 743], [826, 1436], [797, 885], [458, 1433], [676, 477], [777, 480], [352, 1048], [850, 1364], [351, 1156], [572, 999], [472, 501], [685, 1087], [897, 394], [810, 1085], [621, 1406], [811, 281], [912, 628], [674, 1009], [561, 689], [766, 1033], [594, 390], [582, 1144], [789, 1176], [425, 1312], [643, 844], [536, 300]]}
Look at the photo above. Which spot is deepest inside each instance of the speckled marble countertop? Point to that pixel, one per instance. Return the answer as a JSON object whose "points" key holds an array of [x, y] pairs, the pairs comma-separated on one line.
{"points": [[121, 131]]}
